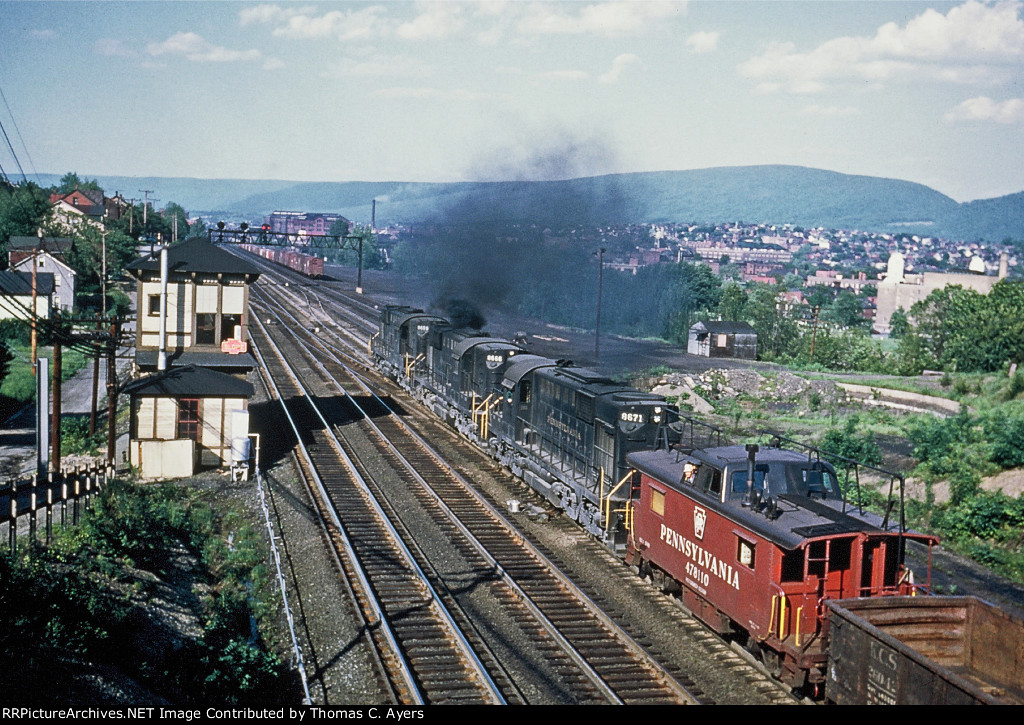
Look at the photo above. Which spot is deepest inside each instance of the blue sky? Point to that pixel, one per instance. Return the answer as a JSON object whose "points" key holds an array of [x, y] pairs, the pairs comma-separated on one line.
{"points": [[443, 91]]}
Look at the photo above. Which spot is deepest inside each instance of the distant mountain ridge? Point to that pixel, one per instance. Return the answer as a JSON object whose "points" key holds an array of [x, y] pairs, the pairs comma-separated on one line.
{"points": [[766, 194]]}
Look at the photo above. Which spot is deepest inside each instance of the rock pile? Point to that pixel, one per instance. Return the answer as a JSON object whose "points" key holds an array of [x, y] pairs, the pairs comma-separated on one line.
{"points": [[696, 391]]}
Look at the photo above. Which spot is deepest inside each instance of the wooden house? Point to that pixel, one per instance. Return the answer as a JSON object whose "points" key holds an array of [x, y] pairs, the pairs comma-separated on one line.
{"points": [[185, 418], [207, 308], [710, 338]]}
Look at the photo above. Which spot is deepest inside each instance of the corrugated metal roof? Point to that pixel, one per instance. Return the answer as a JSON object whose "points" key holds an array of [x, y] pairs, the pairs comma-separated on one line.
{"points": [[726, 327]]}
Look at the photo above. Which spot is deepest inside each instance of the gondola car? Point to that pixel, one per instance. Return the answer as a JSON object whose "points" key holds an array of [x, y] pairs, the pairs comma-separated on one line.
{"points": [[755, 540]]}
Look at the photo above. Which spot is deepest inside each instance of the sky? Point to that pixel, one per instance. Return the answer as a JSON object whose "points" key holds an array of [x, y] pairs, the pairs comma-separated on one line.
{"points": [[929, 92]]}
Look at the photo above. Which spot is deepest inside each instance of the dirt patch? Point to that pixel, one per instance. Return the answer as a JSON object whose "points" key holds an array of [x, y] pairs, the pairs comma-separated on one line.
{"points": [[1010, 483]]}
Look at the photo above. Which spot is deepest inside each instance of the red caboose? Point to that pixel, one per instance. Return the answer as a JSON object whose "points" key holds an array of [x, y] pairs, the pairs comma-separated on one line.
{"points": [[758, 561]]}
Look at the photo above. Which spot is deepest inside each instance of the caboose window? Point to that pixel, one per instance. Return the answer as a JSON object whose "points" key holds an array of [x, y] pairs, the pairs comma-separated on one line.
{"points": [[658, 501], [709, 480], [739, 479], [745, 552]]}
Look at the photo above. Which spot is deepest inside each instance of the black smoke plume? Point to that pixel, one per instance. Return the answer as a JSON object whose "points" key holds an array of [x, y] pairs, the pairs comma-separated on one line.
{"points": [[461, 313]]}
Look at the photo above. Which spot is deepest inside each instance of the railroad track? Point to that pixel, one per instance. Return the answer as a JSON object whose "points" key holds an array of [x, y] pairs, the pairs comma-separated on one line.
{"points": [[586, 652], [424, 656]]}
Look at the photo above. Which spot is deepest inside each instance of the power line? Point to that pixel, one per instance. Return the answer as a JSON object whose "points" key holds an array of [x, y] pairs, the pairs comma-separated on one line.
{"points": [[20, 139]]}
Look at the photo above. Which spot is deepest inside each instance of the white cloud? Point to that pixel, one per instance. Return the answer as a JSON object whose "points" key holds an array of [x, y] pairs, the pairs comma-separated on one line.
{"points": [[195, 48], [264, 14], [304, 24], [607, 18], [972, 43], [619, 66], [44, 34], [455, 94], [984, 108], [435, 20], [702, 42], [273, 64]]}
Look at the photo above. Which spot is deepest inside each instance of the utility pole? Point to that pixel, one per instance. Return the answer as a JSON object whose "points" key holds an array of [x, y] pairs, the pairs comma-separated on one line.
{"points": [[55, 412], [95, 387], [103, 279], [145, 204], [32, 316], [131, 215], [600, 279], [115, 330]]}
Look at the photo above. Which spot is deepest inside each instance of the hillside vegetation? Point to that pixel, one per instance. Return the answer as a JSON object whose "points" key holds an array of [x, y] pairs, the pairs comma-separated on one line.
{"points": [[769, 194]]}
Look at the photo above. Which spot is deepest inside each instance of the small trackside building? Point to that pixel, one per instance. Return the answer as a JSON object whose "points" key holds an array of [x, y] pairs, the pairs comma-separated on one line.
{"points": [[207, 306], [710, 338], [185, 418]]}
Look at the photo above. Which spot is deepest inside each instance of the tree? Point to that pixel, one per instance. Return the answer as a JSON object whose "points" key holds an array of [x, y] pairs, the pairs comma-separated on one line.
{"points": [[693, 289], [23, 210], [733, 302], [86, 255], [349, 255], [70, 181], [197, 230], [899, 324], [846, 310], [172, 213], [776, 332]]}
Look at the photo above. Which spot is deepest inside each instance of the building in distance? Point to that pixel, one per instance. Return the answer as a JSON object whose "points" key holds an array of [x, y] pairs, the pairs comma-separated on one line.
{"points": [[301, 222]]}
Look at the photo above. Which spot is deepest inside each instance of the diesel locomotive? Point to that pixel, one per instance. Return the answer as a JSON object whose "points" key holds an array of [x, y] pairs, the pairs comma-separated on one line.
{"points": [[754, 540], [563, 429]]}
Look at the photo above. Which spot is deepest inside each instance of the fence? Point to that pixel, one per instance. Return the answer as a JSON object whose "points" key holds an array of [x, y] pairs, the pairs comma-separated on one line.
{"points": [[66, 494]]}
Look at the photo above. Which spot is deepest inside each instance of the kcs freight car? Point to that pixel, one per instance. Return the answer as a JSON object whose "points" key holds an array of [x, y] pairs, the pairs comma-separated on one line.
{"points": [[924, 651]]}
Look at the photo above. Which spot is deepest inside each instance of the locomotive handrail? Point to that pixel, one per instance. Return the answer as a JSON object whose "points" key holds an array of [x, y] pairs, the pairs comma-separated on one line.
{"points": [[606, 501], [410, 364]]}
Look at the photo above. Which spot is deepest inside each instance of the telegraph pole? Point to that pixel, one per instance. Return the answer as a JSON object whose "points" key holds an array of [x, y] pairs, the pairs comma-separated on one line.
{"points": [[145, 203], [600, 279]]}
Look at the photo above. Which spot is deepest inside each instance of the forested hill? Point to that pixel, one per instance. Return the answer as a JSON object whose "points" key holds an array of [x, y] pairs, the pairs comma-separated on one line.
{"points": [[770, 194]]}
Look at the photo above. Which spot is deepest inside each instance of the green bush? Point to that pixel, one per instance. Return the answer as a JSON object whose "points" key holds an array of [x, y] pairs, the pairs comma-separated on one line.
{"points": [[847, 442]]}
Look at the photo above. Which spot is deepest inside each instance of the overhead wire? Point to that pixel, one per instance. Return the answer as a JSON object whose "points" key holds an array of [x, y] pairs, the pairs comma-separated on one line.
{"points": [[20, 138]]}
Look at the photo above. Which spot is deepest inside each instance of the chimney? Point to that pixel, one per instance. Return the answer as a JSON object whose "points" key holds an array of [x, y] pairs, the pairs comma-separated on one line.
{"points": [[1002, 265]]}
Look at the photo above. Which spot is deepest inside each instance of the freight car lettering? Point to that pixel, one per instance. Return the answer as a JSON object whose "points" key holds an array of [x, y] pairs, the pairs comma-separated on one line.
{"points": [[883, 656], [700, 559], [564, 427], [701, 577], [881, 675]]}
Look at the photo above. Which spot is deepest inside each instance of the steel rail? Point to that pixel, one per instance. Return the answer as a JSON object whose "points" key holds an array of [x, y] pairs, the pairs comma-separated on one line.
{"points": [[489, 690], [528, 601]]}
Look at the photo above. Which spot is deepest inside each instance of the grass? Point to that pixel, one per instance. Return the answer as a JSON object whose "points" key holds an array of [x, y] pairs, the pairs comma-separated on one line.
{"points": [[84, 603], [20, 383]]}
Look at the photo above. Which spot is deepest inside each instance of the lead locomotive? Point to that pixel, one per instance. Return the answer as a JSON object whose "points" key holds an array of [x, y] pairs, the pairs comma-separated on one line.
{"points": [[565, 430]]}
